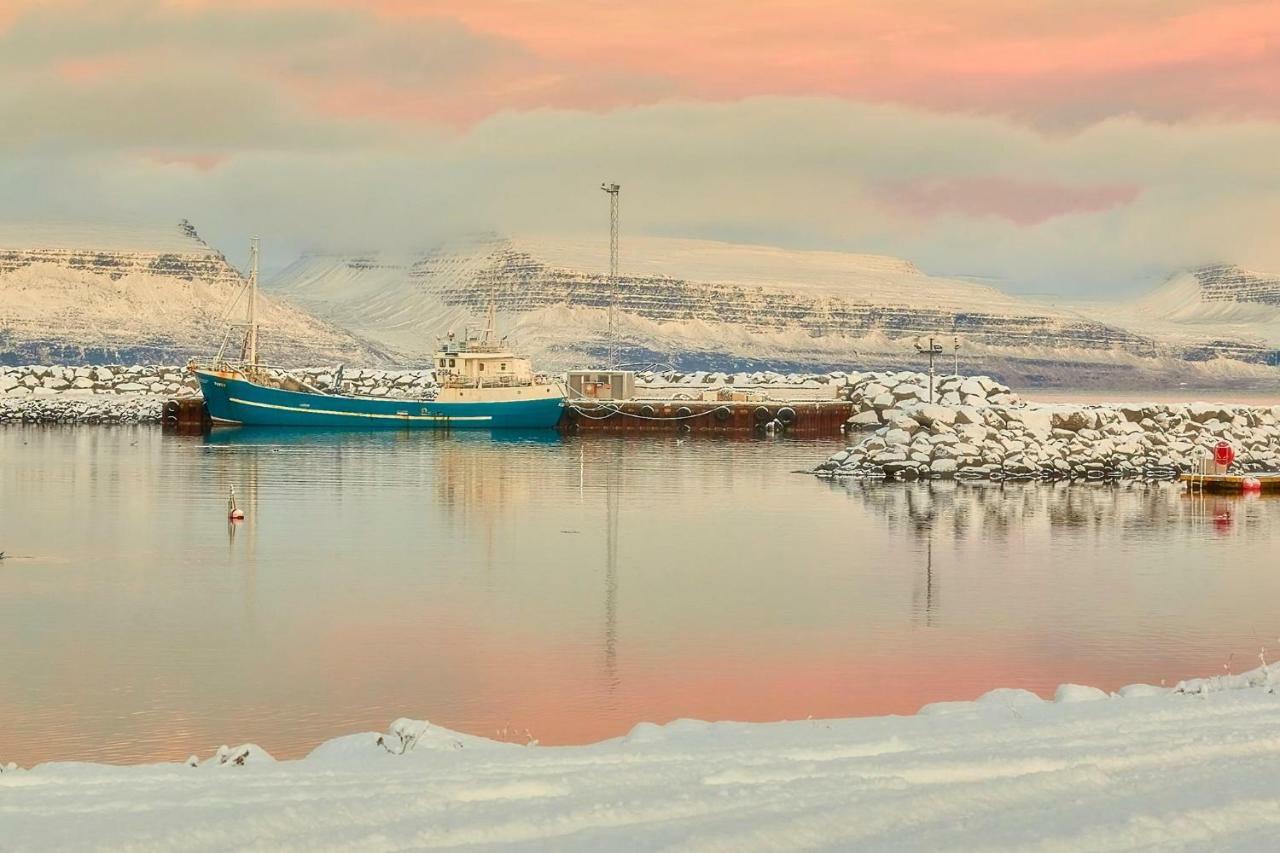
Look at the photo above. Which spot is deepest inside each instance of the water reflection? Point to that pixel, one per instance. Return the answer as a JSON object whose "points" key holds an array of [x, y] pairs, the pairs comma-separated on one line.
{"points": [[568, 588], [997, 511]]}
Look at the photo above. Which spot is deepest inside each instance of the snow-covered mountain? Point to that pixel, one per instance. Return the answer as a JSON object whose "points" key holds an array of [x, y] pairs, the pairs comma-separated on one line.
{"points": [[712, 304], [1219, 310], [730, 306], [72, 294]]}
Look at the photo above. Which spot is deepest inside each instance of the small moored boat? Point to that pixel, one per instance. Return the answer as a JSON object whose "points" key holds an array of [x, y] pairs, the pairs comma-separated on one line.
{"points": [[483, 385]]}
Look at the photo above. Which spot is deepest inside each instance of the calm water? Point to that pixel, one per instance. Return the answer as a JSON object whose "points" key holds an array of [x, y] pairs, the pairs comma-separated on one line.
{"points": [[565, 590]]}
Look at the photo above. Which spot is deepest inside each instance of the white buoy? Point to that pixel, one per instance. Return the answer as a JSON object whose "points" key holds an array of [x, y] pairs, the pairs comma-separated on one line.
{"points": [[233, 512]]}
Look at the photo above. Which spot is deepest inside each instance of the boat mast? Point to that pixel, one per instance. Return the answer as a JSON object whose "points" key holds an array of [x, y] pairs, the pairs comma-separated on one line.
{"points": [[251, 339], [490, 323]]}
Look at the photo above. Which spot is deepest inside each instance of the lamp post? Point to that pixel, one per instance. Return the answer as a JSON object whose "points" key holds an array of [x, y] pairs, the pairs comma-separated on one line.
{"points": [[612, 190], [933, 350]]}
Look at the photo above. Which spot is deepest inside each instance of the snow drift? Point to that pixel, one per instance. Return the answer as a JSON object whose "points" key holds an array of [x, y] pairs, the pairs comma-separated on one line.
{"points": [[1193, 766]]}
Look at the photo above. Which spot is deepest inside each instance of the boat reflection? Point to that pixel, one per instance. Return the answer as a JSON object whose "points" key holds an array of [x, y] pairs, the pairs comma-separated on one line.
{"points": [[298, 436]]}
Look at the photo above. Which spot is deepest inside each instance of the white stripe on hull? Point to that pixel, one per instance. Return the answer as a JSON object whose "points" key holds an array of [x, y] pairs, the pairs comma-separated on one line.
{"points": [[371, 415]]}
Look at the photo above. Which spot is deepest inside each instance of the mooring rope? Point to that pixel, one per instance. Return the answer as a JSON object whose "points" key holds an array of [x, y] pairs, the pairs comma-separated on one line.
{"points": [[615, 410]]}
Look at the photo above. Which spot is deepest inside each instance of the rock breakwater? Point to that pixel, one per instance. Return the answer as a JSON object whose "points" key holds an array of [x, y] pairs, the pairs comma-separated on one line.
{"points": [[136, 393], [1096, 442], [879, 398], [70, 409]]}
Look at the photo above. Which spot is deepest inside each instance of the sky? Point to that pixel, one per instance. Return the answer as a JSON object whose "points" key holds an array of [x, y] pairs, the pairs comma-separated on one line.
{"points": [[1074, 148]]}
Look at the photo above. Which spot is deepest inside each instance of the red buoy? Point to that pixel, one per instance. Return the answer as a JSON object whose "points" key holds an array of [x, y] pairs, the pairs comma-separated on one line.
{"points": [[1251, 485], [1224, 454]]}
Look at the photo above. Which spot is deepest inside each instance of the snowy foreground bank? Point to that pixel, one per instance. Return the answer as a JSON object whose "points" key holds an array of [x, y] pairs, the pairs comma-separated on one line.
{"points": [[1197, 766]]}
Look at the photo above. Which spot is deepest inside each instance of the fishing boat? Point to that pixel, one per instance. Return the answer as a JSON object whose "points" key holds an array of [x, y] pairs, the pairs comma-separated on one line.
{"points": [[482, 385]]}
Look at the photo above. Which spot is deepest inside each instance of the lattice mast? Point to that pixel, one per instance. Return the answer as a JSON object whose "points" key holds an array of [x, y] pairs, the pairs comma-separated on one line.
{"points": [[612, 190]]}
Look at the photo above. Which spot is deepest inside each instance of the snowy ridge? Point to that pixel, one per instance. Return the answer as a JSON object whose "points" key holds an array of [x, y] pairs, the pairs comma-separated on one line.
{"points": [[712, 300], [1146, 767], [67, 299], [1219, 309]]}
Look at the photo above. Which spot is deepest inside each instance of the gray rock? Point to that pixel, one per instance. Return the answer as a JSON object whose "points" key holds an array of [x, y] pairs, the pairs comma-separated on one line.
{"points": [[896, 437], [864, 421], [943, 467], [934, 414]]}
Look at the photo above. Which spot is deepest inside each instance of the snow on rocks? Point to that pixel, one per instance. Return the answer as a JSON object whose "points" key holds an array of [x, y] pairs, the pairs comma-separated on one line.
{"points": [[720, 379], [57, 409], [1264, 677], [1000, 442], [111, 394], [112, 379], [879, 398], [248, 753]]}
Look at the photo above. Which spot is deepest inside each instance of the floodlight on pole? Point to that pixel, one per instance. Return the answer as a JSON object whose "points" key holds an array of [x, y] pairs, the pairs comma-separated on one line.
{"points": [[612, 190], [933, 350]]}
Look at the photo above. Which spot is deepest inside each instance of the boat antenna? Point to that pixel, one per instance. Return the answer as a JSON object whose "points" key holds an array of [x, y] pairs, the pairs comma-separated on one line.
{"points": [[490, 322], [251, 340]]}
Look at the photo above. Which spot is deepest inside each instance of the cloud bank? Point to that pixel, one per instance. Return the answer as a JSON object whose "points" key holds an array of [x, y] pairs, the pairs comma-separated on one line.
{"points": [[1074, 149]]}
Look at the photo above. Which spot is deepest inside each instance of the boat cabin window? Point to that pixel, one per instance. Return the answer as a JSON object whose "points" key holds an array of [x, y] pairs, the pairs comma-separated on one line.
{"points": [[452, 363], [482, 365], [503, 368], [442, 362]]}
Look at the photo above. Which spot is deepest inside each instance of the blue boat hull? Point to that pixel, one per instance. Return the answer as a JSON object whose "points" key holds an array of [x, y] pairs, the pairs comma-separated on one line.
{"points": [[232, 400]]}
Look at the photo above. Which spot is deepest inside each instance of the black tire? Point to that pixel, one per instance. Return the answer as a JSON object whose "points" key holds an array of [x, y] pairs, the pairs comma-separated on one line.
{"points": [[647, 411], [683, 412], [723, 414], [762, 414], [786, 415]]}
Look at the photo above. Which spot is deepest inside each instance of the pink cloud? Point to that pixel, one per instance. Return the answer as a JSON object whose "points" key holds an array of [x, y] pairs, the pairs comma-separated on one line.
{"points": [[1024, 203], [1050, 62], [1039, 59]]}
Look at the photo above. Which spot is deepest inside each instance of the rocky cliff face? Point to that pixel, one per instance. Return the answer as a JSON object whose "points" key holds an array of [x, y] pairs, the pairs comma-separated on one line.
{"points": [[713, 305], [718, 306], [1229, 283], [102, 295]]}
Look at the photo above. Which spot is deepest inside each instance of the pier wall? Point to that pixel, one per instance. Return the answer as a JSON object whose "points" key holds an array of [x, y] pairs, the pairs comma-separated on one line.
{"points": [[809, 418]]}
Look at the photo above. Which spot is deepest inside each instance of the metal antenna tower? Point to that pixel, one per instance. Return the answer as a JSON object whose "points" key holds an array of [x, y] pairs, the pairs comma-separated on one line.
{"points": [[612, 190]]}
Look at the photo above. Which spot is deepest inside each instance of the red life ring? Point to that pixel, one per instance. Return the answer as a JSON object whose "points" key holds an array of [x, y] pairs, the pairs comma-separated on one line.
{"points": [[1223, 454]]}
